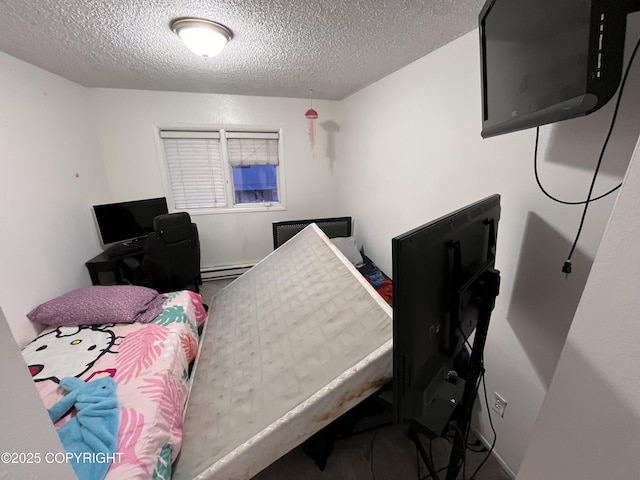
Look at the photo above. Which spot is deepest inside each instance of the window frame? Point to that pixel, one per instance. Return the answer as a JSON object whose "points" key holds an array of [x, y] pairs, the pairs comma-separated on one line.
{"points": [[231, 207]]}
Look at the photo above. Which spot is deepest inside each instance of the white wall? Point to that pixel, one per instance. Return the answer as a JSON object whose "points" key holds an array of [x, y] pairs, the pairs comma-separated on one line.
{"points": [[409, 151], [590, 421], [51, 175], [125, 122], [25, 425]]}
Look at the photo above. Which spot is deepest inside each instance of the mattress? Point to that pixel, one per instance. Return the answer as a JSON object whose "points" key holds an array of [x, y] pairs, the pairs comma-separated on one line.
{"points": [[149, 363], [288, 347]]}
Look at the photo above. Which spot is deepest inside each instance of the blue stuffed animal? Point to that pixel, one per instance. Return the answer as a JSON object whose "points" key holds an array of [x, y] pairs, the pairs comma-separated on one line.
{"points": [[94, 429]]}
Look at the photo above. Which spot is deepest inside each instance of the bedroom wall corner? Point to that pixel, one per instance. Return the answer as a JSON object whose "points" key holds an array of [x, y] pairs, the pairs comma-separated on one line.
{"points": [[126, 123], [52, 173], [24, 422]]}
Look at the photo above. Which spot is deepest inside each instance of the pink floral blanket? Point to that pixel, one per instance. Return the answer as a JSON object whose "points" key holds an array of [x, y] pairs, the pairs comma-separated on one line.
{"points": [[150, 365]]}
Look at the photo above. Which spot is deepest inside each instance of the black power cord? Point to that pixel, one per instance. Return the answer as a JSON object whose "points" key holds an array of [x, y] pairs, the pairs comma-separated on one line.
{"points": [[495, 435], [566, 268], [486, 401], [373, 475], [428, 476], [465, 436], [555, 199]]}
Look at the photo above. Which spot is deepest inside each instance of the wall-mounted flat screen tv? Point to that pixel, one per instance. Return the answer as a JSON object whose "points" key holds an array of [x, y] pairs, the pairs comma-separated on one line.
{"points": [[543, 61]]}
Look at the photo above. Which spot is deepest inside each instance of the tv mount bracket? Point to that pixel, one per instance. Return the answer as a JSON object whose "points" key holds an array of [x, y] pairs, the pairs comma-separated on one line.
{"points": [[488, 288]]}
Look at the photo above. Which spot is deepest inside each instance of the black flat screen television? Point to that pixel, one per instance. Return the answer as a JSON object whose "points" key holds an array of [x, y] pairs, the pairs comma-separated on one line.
{"points": [[436, 271], [543, 61], [122, 221]]}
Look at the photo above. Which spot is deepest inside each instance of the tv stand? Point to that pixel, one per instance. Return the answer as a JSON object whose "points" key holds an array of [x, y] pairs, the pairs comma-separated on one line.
{"points": [[488, 288]]}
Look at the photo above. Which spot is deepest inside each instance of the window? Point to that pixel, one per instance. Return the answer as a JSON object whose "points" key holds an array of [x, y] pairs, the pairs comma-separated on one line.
{"points": [[222, 169], [254, 161]]}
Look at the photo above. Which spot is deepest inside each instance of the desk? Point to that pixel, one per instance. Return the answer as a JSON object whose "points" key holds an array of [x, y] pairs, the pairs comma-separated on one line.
{"points": [[112, 265]]}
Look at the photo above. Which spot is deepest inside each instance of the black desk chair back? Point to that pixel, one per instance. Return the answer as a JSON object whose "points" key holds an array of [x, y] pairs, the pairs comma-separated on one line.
{"points": [[172, 253]]}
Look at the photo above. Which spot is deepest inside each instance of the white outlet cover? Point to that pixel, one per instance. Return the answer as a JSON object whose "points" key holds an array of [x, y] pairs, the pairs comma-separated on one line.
{"points": [[499, 404]]}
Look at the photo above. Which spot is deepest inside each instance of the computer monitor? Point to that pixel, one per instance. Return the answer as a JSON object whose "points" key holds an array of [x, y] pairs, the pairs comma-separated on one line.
{"points": [[118, 222]]}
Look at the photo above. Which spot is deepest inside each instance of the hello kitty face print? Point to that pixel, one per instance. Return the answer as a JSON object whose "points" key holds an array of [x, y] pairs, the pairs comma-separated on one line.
{"points": [[67, 351]]}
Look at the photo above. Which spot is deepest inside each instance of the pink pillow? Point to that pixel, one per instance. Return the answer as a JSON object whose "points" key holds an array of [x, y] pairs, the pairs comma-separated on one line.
{"points": [[100, 304]]}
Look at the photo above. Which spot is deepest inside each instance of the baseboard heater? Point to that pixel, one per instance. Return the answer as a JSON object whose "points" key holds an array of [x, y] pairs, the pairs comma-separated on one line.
{"points": [[224, 272]]}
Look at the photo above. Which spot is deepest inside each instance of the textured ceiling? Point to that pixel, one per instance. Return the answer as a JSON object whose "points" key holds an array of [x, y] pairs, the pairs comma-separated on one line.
{"points": [[280, 48]]}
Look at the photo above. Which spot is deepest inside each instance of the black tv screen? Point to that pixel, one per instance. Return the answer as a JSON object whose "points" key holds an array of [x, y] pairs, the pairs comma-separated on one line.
{"points": [[122, 221], [543, 61], [436, 268]]}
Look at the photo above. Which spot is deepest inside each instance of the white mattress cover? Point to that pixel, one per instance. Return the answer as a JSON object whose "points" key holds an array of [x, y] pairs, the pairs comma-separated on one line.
{"points": [[289, 346]]}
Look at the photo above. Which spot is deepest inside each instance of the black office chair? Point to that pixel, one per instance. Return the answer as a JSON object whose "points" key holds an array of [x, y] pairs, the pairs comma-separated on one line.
{"points": [[171, 258]]}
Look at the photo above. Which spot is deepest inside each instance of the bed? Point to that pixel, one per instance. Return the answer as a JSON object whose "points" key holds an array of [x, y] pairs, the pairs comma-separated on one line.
{"points": [[149, 362], [289, 346]]}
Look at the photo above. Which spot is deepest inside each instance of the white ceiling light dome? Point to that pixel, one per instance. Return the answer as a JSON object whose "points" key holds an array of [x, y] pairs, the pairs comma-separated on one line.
{"points": [[203, 37]]}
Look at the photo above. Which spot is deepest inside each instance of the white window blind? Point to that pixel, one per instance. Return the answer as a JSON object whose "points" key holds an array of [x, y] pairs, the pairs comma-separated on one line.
{"points": [[196, 171], [251, 148]]}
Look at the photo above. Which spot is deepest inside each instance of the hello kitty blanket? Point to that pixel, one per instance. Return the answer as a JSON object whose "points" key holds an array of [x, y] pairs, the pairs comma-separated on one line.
{"points": [[150, 365]]}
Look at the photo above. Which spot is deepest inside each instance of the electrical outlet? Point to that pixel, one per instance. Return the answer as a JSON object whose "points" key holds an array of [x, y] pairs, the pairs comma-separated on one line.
{"points": [[499, 404]]}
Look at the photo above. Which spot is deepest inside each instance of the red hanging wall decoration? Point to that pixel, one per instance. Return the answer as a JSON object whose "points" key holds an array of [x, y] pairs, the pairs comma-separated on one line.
{"points": [[312, 116]]}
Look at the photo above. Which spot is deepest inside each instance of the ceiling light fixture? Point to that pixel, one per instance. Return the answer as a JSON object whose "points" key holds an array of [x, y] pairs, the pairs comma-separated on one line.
{"points": [[203, 37]]}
